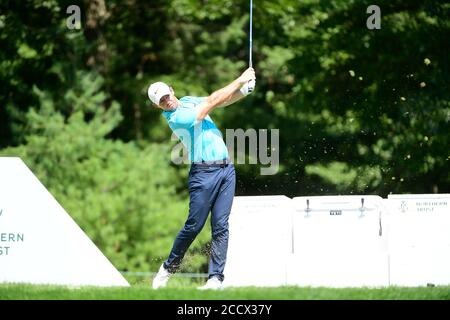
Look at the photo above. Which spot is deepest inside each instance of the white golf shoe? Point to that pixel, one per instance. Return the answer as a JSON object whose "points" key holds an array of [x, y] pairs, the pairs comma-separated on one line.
{"points": [[212, 284], [161, 278]]}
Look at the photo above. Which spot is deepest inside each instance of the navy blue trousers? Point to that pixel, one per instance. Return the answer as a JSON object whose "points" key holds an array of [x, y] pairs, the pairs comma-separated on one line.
{"points": [[211, 188]]}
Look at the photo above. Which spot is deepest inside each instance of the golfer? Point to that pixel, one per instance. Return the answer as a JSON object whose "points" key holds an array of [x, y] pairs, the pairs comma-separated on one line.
{"points": [[212, 177]]}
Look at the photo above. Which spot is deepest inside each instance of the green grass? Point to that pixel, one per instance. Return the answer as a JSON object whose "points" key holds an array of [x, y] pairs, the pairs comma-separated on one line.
{"points": [[185, 289]]}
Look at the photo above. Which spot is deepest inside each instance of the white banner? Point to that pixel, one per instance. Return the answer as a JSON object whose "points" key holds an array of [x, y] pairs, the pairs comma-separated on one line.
{"points": [[260, 241], [39, 242], [339, 241], [419, 242]]}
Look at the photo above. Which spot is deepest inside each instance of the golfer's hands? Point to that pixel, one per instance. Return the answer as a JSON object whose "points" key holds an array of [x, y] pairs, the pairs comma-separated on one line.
{"points": [[247, 75], [248, 80]]}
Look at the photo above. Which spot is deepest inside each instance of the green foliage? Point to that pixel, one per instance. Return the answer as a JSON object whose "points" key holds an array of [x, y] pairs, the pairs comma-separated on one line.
{"points": [[346, 177]]}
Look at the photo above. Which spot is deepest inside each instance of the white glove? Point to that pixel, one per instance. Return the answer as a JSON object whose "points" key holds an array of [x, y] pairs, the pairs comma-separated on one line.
{"points": [[248, 87]]}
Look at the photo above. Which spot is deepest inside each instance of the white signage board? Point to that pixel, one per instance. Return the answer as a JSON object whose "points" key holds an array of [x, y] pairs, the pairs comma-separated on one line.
{"points": [[419, 242], [260, 241], [339, 241], [39, 242]]}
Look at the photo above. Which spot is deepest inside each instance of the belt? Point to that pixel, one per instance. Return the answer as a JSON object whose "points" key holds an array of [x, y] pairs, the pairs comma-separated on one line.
{"points": [[214, 163]]}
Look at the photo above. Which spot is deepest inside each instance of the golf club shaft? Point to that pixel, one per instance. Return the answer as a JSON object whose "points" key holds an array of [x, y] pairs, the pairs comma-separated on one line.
{"points": [[250, 63]]}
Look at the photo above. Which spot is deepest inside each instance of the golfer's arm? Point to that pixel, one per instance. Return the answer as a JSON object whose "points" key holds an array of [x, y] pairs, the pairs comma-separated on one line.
{"points": [[222, 97], [237, 95]]}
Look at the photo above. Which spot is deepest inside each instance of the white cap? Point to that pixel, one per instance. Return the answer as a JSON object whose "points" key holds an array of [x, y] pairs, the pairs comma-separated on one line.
{"points": [[158, 90]]}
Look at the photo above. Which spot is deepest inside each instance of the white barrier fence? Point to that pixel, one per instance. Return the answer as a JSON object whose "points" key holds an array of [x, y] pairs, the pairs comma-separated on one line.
{"points": [[339, 241], [334, 241]]}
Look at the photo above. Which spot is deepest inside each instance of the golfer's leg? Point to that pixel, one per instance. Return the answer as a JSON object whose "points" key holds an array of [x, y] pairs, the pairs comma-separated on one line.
{"points": [[202, 187], [219, 223]]}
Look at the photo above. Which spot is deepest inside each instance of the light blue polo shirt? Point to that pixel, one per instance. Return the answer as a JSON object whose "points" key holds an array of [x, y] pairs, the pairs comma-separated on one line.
{"points": [[203, 140]]}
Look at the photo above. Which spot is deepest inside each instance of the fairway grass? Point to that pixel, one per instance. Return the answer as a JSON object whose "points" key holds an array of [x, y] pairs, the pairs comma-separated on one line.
{"points": [[144, 292]]}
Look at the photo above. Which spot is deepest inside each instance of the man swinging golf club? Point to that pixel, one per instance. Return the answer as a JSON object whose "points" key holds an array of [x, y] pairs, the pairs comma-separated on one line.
{"points": [[211, 177]]}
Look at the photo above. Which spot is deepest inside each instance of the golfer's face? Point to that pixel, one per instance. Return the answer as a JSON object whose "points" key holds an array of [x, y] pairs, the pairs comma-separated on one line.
{"points": [[168, 102]]}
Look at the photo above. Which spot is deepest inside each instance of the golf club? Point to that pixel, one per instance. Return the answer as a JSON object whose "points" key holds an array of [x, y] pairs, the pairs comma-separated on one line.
{"points": [[251, 83]]}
